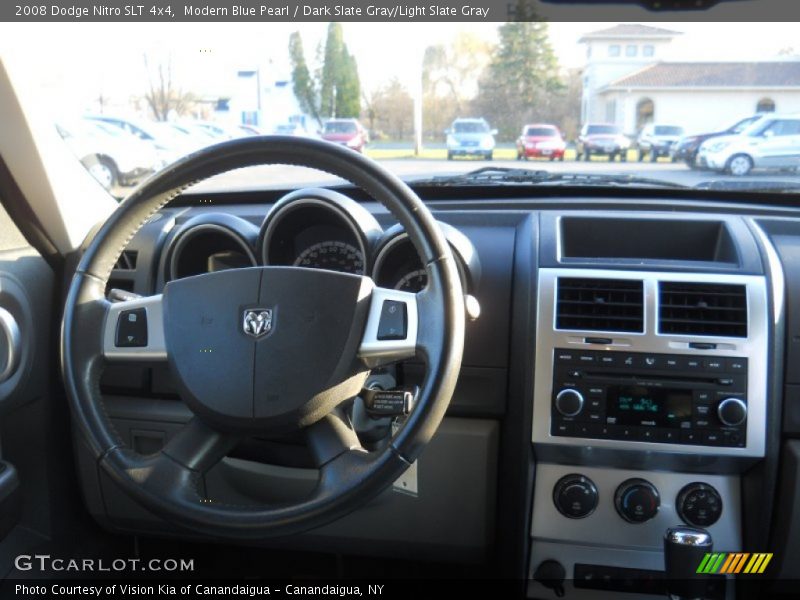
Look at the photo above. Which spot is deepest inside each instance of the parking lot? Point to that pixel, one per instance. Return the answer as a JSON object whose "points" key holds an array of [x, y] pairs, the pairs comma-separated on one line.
{"points": [[414, 168]]}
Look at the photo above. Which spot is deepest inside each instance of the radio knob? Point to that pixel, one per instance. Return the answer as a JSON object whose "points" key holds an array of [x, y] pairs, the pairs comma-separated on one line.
{"points": [[569, 402], [732, 411], [637, 500], [575, 496]]}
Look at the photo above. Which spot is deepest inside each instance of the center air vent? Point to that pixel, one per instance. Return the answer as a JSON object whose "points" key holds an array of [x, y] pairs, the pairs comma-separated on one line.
{"points": [[703, 309], [600, 305]]}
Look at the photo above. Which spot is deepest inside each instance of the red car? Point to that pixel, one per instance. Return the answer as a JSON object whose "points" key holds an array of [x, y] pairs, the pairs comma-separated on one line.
{"points": [[541, 141], [346, 132]]}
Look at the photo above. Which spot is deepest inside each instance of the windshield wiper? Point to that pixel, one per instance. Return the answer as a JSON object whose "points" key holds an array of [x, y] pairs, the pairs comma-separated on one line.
{"points": [[511, 176], [767, 185]]}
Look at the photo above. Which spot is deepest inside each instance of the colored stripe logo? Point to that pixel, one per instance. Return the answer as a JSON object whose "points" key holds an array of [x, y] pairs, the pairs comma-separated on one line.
{"points": [[732, 563]]}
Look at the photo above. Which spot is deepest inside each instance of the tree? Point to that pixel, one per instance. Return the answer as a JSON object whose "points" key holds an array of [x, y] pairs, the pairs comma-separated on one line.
{"points": [[450, 76], [390, 111], [335, 89], [303, 85], [522, 78], [163, 96]]}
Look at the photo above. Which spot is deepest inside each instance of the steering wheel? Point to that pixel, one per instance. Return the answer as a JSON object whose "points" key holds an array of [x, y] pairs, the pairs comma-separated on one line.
{"points": [[261, 350]]}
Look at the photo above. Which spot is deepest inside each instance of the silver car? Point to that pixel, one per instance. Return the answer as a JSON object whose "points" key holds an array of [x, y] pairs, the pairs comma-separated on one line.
{"points": [[772, 142], [470, 137]]}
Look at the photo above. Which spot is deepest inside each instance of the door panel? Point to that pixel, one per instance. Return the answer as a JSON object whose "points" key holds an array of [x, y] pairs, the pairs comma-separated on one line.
{"points": [[26, 377]]}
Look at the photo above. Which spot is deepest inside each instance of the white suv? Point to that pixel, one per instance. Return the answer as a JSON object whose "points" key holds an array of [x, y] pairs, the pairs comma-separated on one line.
{"points": [[772, 142]]}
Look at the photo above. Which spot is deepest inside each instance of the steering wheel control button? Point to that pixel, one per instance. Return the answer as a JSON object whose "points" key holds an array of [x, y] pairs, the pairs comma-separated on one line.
{"points": [[132, 328], [699, 504], [569, 402], [393, 323], [732, 411], [637, 500], [575, 496]]}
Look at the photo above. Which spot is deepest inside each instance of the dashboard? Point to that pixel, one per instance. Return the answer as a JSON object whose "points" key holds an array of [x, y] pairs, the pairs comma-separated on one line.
{"points": [[616, 383]]}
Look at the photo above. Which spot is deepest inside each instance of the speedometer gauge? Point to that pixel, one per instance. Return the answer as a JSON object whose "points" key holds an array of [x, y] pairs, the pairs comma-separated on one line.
{"points": [[413, 282], [332, 255]]}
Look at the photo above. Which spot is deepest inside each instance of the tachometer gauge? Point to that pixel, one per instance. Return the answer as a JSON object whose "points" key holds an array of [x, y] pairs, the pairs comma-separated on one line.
{"points": [[332, 255], [414, 282]]}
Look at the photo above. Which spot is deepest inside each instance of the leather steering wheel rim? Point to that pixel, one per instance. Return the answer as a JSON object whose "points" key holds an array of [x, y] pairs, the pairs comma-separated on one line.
{"points": [[170, 484]]}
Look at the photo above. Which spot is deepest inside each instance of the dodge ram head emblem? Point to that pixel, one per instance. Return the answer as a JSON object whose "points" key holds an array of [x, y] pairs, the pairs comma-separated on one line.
{"points": [[257, 322]]}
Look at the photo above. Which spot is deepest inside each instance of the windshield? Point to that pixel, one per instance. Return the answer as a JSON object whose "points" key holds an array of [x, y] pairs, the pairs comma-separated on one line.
{"points": [[603, 130], [541, 132], [667, 130], [340, 127], [470, 127], [426, 99]]}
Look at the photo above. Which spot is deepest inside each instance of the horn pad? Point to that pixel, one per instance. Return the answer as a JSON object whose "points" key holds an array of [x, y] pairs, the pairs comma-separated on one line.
{"points": [[266, 348]]}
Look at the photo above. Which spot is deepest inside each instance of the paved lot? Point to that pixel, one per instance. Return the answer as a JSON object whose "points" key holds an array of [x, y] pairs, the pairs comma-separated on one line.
{"points": [[410, 169]]}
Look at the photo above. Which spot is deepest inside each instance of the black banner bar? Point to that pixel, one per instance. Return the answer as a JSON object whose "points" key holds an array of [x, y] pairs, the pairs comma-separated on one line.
{"points": [[396, 10]]}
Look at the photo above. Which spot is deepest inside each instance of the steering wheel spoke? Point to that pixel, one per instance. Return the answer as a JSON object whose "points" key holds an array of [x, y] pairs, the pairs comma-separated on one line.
{"points": [[199, 447], [134, 331], [392, 327], [332, 437]]}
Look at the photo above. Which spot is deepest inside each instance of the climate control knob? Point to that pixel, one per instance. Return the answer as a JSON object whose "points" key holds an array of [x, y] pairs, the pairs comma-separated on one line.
{"points": [[732, 411], [699, 504], [637, 500], [575, 496], [569, 402]]}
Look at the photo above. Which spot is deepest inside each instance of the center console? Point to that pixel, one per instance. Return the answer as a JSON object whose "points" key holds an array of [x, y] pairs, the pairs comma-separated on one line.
{"points": [[649, 399]]}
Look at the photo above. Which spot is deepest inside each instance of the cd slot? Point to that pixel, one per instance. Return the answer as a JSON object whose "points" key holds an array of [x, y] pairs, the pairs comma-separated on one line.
{"points": [[645, 377]]}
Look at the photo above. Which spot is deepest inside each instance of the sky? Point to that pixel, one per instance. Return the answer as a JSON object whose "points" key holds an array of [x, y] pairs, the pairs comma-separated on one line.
{"points": [[82, 60]]}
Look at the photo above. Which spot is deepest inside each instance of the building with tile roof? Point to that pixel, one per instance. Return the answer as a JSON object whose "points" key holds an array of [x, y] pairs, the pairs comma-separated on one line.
{"points": [[628, 80]]}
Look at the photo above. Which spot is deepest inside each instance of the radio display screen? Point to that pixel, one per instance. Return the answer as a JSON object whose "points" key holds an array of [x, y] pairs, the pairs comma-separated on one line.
{"points": [[649, 406]]}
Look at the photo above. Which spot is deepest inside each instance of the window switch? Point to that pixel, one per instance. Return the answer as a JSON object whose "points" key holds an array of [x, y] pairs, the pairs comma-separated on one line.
{"points": [[132, 329]]}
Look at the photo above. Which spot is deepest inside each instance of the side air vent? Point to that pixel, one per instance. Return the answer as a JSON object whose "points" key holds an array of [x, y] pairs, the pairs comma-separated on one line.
{"points": [[703, 309], [600, 305], [127, 260]]}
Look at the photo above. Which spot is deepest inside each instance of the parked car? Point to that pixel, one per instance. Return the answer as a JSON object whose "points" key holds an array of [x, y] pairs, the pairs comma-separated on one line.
{"points": [[112, 156], [602, 139], [687, 147], [772, 142], [170, 143], [541, 141], [658, 139], [346, 132], [470, 137]]}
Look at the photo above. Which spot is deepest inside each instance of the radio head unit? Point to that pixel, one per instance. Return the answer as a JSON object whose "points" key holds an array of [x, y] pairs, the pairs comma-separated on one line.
{"points": [[673, 399], [671, 363]]}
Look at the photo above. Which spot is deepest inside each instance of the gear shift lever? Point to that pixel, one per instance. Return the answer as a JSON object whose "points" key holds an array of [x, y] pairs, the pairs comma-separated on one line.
{"points": [[684, 549]]}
